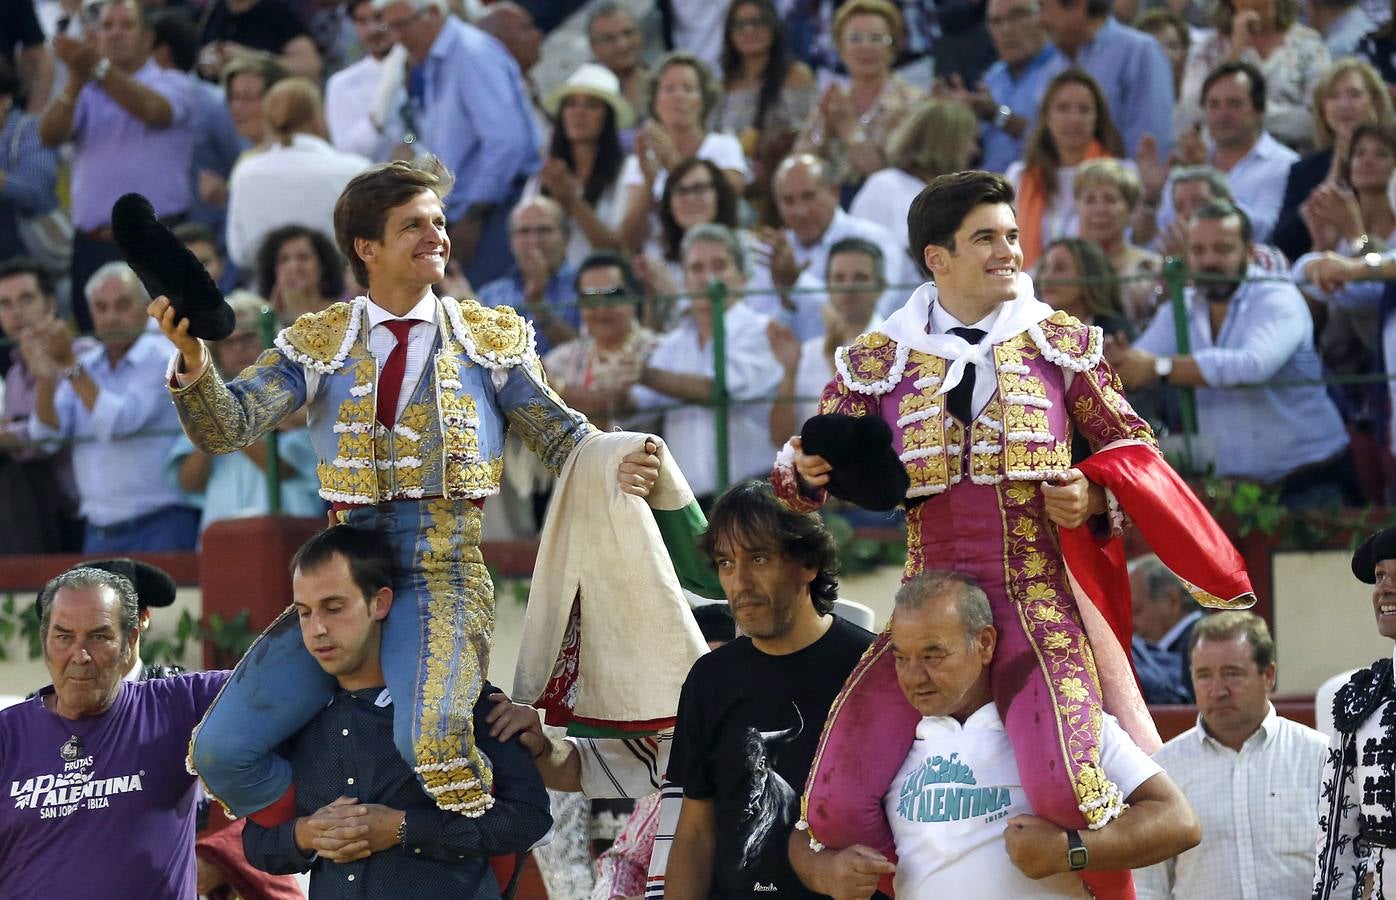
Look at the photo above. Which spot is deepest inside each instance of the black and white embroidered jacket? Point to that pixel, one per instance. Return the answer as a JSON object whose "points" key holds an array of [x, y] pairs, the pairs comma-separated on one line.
{"points": [[1356, 821]]}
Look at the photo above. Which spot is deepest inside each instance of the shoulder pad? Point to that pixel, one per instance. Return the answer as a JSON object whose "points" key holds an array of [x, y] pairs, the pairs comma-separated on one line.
{"points": [[321, 340], [1068, 342], [494, 337], [872, 364], [1363, 693]]}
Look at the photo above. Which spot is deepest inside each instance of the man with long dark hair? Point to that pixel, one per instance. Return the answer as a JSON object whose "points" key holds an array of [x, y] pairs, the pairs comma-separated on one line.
{"points": [[751, 711]]}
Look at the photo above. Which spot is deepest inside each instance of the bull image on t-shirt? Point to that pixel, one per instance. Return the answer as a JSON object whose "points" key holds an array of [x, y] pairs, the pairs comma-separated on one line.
{"points": [[772, 804]]}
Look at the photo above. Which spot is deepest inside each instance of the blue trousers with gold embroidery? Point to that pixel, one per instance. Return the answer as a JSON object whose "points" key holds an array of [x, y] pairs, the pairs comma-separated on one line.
{"points": [[435, 654]]}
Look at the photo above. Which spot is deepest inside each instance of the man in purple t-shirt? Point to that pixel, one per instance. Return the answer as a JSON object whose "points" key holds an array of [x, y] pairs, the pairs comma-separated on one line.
{"points": [[99, 802]]}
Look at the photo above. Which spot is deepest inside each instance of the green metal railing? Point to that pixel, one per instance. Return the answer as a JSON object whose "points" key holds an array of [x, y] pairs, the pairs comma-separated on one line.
{"points": [[1173, 281]]}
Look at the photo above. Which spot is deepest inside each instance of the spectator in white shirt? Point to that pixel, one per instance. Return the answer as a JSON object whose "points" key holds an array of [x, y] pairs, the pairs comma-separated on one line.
{"points": [[680, 371], [807, 196], [957, 809], [855, 282], [1256, 165], [352, 94], [1252, 776], [295, 180]]}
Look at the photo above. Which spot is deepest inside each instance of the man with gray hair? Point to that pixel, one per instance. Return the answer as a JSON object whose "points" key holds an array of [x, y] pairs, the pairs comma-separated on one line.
{"points": [[1252, 776], [1189, 188], [807, 196], [681, 368], [957, 809], [540, 285], [109, 401], [92, 755], [1164, 616], [618, 43]]}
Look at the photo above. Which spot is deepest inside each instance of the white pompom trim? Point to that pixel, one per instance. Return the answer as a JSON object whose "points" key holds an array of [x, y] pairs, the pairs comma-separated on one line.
{"points": [[351, 334]]}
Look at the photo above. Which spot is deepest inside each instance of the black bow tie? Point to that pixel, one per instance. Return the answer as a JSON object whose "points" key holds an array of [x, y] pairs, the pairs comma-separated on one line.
{"points": [[960, 399]]}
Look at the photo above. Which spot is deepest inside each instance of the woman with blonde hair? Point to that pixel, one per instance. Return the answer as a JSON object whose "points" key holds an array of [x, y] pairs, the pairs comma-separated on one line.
{"points": [[1073, 125], [1291, 56], [852, 123], [296, 163], [683, 93], [1350, 93], [936, 137], [1107, 194]]}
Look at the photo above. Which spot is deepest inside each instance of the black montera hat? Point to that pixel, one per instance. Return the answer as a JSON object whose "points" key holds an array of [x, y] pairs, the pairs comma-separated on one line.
{"points": [[1376, 548], [154, 586], [166, 267], [866, 470]]}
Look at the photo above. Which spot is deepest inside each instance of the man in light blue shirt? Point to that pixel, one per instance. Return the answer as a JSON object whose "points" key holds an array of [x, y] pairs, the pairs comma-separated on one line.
{"points": [[541, 284], [1129, 65], [470, 107], [1263, 412], [1256, 165], [110, 402], [1014, 85]]}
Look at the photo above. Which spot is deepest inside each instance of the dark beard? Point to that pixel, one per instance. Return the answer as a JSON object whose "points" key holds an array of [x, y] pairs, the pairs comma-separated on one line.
{"points": [[1218, 287]]}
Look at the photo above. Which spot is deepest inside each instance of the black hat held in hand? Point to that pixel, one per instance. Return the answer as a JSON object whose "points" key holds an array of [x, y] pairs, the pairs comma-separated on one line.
{"points": [[154, 586], [1376, 548], [866, 470], [166, 267]]}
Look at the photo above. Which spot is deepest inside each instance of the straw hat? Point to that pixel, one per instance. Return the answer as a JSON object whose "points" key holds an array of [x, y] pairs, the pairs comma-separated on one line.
{"points": [[592, 80]]}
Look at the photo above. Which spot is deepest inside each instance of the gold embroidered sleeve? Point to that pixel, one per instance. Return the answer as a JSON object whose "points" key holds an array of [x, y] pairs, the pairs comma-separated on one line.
{"points": [[548, 426], [1100, 411], [221, 418]]}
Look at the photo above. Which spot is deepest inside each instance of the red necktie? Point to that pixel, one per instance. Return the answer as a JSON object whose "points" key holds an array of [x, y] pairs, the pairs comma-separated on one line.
{"points": [[390, 379]]}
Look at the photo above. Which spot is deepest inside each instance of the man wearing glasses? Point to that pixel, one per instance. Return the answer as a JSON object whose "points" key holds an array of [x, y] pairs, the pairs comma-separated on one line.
{"points": [[470, 107], [1006, 100], [541, 283]]}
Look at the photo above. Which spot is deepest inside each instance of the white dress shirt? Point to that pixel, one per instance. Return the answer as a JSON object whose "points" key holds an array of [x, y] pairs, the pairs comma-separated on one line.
{"points": [[1257, 182], [419, 343], [898, 268], [351, 99], [753, 377], [949, 803], [1258, 809], [985, 381], [295, 185]]}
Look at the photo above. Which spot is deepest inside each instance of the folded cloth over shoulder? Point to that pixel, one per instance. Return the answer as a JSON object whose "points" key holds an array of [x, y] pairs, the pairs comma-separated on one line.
{"points": [[609, 638]]}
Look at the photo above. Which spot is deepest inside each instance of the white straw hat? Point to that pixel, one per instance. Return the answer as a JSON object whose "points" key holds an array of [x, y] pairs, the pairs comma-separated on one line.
{"points": [[592, 80]]}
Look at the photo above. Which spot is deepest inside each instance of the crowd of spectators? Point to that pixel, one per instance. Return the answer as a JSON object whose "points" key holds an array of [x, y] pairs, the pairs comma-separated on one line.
{"points": [[768, 145]]}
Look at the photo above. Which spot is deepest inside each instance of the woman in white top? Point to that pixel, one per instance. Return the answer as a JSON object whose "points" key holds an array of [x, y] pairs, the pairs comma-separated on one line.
{"points": [[295, 180], [682, 94], [856, 281], [1073, 125], [936, 138], [582, 171], [697, 194]]}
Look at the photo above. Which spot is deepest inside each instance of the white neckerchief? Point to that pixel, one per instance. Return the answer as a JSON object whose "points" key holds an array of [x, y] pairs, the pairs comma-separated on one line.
{"points": [[907, 326]]}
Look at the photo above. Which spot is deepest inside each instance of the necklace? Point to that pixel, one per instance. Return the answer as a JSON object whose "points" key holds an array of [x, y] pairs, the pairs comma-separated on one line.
{"points": [[73, 748]]}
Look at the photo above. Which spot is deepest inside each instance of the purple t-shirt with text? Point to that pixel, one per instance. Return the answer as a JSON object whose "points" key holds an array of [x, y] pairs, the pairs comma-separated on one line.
{"points": [[102, 806]]}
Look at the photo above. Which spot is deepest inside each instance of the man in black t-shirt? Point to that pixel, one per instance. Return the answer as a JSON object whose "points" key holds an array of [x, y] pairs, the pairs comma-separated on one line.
{"points": [[751, 712]]}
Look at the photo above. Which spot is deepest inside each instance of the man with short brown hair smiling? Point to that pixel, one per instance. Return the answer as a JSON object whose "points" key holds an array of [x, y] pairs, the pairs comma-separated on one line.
{"points": [[92, 756]]}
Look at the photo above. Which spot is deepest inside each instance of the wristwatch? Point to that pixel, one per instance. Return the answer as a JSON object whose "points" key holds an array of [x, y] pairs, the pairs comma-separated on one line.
{"points": [[402, 832], [99, 71], [1001, 116], [1373, 261], [72, 372], [1163, 367], [1076, 855]]}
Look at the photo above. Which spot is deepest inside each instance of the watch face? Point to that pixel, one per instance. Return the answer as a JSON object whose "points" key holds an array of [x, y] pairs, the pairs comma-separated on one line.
{"points": [[1076, 856], [1372, 259]]}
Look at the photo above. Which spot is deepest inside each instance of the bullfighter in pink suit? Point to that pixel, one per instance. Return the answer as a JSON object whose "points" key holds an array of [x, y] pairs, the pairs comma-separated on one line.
{"points": [[983, 385]]}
